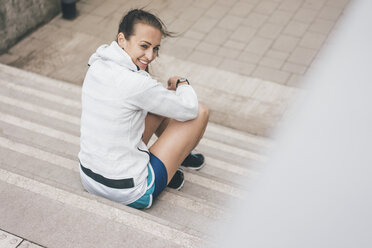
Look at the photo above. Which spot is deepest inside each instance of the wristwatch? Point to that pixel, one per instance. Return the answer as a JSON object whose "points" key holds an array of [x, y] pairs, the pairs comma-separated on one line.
{"points": [[181, 80]]}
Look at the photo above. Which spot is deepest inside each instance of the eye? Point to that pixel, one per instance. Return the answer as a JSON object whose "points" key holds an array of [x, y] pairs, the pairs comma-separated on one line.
{"points": [[156, 49], [144, 46]]}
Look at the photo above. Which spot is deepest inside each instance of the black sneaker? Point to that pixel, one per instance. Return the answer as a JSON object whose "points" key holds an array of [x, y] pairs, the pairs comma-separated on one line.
{"points": [[177, 180], [194, 161]]}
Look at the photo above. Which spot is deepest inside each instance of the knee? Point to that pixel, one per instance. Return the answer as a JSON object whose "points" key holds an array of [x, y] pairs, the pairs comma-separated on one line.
{"points": [[203, 112]]}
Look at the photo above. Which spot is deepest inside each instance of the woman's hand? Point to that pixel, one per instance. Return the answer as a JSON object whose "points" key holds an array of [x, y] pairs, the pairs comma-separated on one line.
{"points": [[172, 81]]}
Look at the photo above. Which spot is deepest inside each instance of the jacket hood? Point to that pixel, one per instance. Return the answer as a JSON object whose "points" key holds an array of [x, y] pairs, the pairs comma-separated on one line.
{"points": [[115, 54]]}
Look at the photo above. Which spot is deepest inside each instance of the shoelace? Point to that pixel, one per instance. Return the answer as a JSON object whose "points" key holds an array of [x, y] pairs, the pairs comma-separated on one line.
{"points": [[194, 155]]}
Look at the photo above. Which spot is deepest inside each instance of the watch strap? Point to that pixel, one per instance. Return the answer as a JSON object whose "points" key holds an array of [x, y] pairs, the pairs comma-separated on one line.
{"points": [[181, 80]]}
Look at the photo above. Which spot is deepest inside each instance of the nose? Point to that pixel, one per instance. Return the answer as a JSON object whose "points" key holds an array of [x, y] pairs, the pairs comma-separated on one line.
{"points": [[150, 54]]}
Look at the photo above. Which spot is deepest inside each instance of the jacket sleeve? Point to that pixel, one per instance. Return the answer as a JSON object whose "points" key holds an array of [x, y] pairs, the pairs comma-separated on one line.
{"points": [[181, 105]]}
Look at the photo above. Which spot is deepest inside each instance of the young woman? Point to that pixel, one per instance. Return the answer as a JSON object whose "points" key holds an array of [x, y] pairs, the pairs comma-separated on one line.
{"points": [[122, 107]]}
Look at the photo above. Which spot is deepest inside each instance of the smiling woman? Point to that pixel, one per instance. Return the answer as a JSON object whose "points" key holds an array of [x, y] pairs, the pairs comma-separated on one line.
{"points": [[122, 107], [140, 29], [143, 47]]}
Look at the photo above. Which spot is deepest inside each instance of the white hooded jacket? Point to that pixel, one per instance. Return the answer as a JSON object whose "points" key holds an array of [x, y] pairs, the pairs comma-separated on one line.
{"points": [[116, 98]]}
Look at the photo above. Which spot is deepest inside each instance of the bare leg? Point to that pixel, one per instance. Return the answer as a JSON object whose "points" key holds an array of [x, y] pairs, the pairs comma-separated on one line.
{"points": [[163, 125], [178, 139], [152, 123]]}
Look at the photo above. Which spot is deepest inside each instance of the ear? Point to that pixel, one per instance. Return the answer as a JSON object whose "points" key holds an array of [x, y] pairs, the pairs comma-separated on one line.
{"points": [[121, 40]]}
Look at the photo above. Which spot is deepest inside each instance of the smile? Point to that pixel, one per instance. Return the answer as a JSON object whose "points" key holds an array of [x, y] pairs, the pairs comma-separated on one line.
{"points": [[143, 62]]}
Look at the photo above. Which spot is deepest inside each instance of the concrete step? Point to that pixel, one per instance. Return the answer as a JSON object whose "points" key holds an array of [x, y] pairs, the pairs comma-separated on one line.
{"points": [[67, 215], [39, 143], [237, 138]]}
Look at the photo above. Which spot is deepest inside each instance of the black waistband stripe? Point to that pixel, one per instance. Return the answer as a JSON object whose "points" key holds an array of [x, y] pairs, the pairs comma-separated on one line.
{"points": [[112, 183]]}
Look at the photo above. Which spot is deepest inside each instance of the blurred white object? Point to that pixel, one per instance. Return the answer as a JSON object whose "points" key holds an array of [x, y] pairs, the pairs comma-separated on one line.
{"points": [[316, 191]]}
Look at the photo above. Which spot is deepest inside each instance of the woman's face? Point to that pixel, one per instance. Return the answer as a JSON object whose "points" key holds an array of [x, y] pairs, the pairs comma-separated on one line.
{"points": [[143, 46]]}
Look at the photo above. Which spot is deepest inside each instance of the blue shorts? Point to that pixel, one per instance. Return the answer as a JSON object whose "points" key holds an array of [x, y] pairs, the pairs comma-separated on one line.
{"points": [[156, 182]]}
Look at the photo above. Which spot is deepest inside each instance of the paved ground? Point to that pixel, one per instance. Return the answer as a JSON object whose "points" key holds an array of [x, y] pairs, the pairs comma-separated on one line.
{"points": [[8, 240], [274, 40]]}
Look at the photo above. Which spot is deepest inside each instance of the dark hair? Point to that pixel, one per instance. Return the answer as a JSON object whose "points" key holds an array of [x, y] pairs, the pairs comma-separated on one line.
{"points": [[141, 16]]}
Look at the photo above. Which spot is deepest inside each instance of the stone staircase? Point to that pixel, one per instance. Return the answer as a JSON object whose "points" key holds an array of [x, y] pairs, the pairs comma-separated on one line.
{"points": [[43, 201]]}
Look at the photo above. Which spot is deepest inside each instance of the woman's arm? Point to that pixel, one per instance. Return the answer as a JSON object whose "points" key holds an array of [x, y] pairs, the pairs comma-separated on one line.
{"points": [[181, 105]]}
